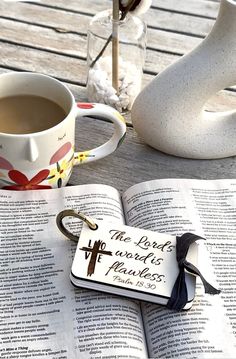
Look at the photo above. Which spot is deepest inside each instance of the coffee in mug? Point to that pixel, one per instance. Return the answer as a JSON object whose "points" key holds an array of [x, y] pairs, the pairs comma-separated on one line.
{"points": [[21, 114], [37, 131]]}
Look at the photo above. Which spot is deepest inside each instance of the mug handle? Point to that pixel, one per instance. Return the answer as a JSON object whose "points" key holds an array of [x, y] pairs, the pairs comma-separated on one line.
{"points": [[106, 112]]}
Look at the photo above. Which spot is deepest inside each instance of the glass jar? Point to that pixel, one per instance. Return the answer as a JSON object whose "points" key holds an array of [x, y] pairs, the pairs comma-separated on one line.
{"points": [[131, 57]]}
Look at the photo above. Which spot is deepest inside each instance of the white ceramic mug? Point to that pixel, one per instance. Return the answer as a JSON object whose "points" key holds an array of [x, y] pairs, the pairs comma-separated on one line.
{"points": [[45, 159]]}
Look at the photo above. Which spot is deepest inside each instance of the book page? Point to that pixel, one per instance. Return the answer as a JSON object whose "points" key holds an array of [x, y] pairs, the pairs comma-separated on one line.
{"points": [[41, 314], [206, 208]]}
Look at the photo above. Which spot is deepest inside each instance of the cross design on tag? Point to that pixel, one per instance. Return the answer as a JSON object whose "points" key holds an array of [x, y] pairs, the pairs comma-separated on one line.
{"points": [[95, 252]]}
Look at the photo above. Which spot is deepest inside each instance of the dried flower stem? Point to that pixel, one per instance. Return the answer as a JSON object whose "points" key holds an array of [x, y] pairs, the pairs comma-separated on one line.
{"points": [[115, 45], [101, 52], [123, 15]]}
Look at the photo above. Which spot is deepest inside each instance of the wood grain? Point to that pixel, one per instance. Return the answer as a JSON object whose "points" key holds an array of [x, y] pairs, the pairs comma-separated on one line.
{"points": [[199, 8], [147, 163], [69, 21]]}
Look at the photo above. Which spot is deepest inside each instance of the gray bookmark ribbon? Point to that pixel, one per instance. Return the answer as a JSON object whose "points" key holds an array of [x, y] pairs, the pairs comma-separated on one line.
{"points": [[179, 294]]}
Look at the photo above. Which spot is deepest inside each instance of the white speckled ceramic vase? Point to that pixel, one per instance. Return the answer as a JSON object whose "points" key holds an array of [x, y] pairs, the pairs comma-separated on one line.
{"points": [[169, 113]]}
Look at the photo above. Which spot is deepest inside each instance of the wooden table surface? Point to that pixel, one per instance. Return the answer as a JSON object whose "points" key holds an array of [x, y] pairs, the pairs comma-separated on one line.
{"points": [[49, 36]]}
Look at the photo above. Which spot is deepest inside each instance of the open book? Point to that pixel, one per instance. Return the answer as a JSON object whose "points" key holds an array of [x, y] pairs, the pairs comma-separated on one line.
{"points": [[43, 316]]}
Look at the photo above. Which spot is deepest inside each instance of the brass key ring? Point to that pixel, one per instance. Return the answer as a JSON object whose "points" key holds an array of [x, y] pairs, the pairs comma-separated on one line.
{"points": [[72, 213]]}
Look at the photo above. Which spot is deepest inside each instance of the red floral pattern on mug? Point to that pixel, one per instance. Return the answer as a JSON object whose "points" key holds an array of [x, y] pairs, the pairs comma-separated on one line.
{"points": [[22, 183], [85, 105], [5, 164], [59, 154]]}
